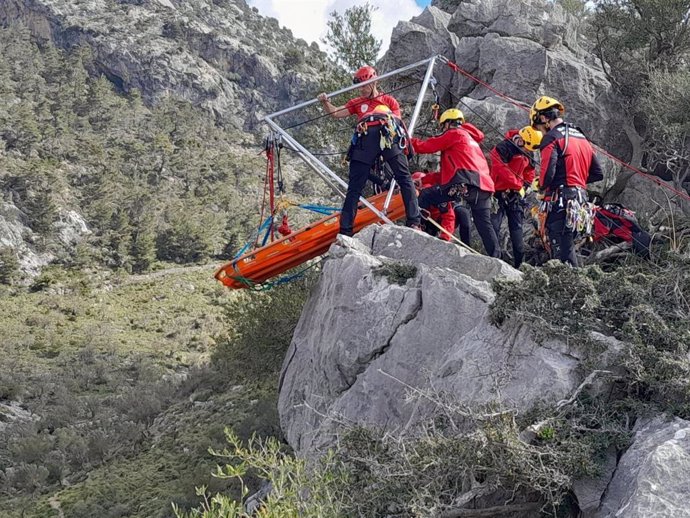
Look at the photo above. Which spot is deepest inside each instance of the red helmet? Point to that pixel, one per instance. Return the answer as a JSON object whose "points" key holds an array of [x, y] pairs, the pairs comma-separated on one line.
{"points": [[364, 74]]}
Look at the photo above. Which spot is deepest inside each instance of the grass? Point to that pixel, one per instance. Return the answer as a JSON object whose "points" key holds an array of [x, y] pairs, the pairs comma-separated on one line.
{"points": [[172, 358], [173, 318]]}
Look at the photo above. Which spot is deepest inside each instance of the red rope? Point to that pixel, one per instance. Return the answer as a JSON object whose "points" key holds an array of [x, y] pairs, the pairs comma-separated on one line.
{"points": [[487, 86], [523, 107], [653, 178]]}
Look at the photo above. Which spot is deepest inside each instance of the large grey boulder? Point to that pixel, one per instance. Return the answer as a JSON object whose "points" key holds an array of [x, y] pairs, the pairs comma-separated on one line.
{"points": [[523, 49], [653, 476], [650, 200], [396, 309]]}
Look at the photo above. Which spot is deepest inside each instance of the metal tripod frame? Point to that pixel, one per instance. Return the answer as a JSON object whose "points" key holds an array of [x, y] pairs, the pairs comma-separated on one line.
{"points": [[332, 179]]}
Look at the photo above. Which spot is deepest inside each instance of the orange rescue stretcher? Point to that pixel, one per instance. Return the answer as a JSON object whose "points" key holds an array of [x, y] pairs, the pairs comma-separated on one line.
{"points": [[292, 250]]}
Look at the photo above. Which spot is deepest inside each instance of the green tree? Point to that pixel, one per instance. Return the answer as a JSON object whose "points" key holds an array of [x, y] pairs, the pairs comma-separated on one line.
{"points": [[143, 246], [636, 40], [349, 35], [9, 265], [120, 238]]}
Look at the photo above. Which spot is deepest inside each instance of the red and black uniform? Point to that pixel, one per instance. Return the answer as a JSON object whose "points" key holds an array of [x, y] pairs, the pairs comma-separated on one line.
{"points": [[442, 214], [462, 160], [464, 176], [363, 106], [365, 150], [512, 169], [568, 164]]}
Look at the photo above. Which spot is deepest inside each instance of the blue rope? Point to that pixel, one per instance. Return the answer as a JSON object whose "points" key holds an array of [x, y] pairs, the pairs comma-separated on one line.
{"points": [[285, 280], [263, 226], [268, 231], [320, 209]]}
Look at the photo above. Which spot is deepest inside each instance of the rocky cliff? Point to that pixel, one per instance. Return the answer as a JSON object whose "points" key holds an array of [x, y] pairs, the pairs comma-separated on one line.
{"points": [[218, 54], [523, 49], [399, 321]]}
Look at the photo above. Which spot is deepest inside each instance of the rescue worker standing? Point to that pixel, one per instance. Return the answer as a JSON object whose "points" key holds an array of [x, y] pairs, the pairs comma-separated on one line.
{"points": [[512, 170], [379, 132], [464, 173], [568, 164]]}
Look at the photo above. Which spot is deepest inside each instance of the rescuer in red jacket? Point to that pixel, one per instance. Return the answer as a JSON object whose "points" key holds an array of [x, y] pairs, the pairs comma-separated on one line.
{"points": [[512, 170], [464, 173], [568, 164], [379, 132], [443, 214]]}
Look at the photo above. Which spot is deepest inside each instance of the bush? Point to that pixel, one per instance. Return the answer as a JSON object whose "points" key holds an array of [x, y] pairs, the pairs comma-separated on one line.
{"points": [[9, 265], [266, 321], [643, 303], [186, 240]]}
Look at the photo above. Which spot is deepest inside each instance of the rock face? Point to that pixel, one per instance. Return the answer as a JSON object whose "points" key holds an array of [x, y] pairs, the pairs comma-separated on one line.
{"points": [[396, 309], [15, 235], [653, 476], [523, 48], [219, 54]]}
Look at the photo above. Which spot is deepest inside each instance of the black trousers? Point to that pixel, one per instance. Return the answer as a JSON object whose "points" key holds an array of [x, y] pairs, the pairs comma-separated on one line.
{"points": [[479, 203], [561, 238], [363, 155], [462, 223], [511, 206]]}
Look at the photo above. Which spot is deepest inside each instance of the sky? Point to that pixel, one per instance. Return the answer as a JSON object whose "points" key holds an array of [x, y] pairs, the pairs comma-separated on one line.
{"points": [[307, 18]]}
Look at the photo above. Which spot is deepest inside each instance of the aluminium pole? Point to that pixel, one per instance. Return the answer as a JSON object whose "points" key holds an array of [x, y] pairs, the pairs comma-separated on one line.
{"points": [[288, 138], [413, 121], [351, 87]]}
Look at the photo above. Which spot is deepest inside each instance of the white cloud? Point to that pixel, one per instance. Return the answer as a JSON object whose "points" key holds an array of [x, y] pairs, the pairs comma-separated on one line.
{"points": [[307, 18]]}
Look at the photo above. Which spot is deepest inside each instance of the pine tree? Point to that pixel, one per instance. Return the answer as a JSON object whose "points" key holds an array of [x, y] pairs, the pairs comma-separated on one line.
{"points": [[349, 35], [9, 265]]}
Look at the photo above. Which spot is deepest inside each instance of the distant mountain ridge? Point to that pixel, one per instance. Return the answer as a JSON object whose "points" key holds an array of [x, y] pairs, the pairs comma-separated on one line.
{"points": [[221, 54]]}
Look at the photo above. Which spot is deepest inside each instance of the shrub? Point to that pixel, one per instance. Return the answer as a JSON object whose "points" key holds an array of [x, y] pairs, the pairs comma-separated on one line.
{"points": [[9, 265], [266, 321]]}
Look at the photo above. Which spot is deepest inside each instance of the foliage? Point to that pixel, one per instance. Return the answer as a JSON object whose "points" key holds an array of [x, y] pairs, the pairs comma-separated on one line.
{"points": [[349, 35], [458, 455], [666, 105], [9, 265], [396, 272], [641, 44], [644, 304], [266, 321], [162, 182], [289, 479], [574, 7]]}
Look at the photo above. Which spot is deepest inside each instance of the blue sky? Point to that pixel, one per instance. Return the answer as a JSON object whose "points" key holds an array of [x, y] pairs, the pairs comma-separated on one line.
{"points": [[423, 3]]}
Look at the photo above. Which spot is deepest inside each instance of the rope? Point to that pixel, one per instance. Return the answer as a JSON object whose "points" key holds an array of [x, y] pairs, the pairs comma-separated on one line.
{"points": [[265, 286], [523, 106], [457, 68], [323, 115], [452, 236], [255, 235]]}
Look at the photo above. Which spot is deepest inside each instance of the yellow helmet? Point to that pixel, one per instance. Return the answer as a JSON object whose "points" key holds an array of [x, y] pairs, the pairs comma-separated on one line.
{"points": [[452, 114], [382, 108], [542, 104], [531, 137]]}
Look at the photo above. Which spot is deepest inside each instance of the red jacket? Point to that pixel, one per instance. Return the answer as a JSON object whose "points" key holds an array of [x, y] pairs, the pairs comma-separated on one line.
{"points": [[444, 216], [511, 168], [462, 160], [567, 158]]}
